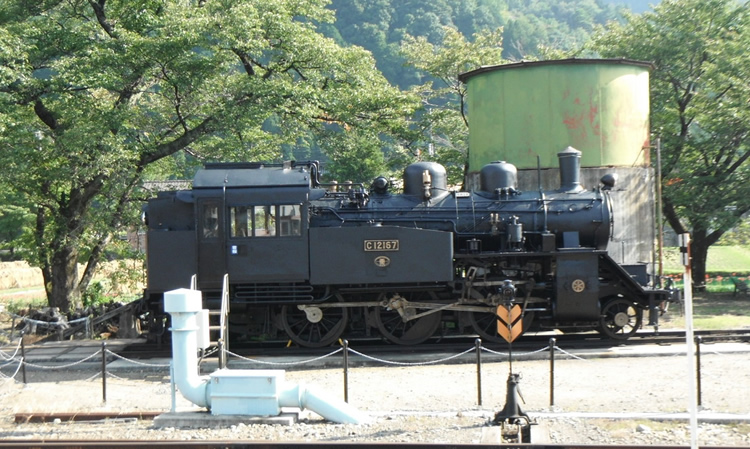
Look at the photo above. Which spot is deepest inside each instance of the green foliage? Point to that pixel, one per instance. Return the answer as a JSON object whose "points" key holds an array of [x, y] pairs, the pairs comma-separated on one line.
{"points": [[379, 26], [16, 306], [94, 295], [443, 122], [15, 222], [699, 105], [94, 94], [737, 236]]}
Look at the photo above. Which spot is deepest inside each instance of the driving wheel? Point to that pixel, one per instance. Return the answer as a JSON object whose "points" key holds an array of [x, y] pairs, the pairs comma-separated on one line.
{"points": [[620, 319], [314, 327], [394, 328]]}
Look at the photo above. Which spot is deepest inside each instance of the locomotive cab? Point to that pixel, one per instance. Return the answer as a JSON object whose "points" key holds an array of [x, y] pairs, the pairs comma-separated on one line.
{"points": [[252, 223]]}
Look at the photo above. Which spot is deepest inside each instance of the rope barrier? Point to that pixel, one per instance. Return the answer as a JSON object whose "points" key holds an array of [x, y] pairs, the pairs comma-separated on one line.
{"points": [[18, 368], [68, 365], [515, 354], [64, 324], [302, 362], [11, 357], [136, 362], [391, 362], [104, 372], [569, 354]]}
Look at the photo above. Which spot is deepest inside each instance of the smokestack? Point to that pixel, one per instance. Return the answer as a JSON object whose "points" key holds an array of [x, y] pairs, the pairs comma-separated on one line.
{"points": [[570, 170]]}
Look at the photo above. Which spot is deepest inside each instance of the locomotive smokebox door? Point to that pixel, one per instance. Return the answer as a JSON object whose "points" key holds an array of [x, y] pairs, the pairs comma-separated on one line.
{"points": [[577, 286]]}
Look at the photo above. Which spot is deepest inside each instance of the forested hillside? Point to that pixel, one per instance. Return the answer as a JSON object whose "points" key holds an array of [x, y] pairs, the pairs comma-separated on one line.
{"points": [[381, 25], [637, 6]]}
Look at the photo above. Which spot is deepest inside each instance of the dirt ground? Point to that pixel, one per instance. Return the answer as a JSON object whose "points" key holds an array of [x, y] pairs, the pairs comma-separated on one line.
{"points": [[431, 403]]}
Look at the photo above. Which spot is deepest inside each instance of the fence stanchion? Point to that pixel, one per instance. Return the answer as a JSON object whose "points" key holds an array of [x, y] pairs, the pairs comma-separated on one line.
{"points": [[698, 341], [104, 371], [23, 359], [552, 343], [172, 387], [346, 370], [222, 354], [478, 345]]}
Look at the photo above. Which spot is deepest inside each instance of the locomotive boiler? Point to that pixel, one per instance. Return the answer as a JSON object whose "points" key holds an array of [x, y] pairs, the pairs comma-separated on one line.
{"points": [[314, 263]]}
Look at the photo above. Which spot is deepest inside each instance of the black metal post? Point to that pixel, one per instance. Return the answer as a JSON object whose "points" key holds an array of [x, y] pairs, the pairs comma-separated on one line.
{"points": [[23, 359], [346, 370], [104, 371], [345, 343], [478, 345], [552, 343], [698, 340]]}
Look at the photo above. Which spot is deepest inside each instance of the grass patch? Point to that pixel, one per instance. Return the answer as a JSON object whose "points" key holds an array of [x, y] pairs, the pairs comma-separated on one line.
{"points": [[19, 299], [712, 311], [721, 259]]}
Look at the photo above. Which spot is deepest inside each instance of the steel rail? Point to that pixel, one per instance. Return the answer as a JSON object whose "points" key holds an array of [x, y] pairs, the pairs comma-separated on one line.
{"points": [[233, 444]]}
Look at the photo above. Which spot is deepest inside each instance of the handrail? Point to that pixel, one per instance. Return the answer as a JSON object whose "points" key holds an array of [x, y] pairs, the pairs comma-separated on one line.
{"points": [[224, 323]]}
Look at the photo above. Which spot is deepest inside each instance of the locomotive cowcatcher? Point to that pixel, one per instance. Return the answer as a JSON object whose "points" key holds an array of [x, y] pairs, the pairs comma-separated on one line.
{"points": [[321, 262]]}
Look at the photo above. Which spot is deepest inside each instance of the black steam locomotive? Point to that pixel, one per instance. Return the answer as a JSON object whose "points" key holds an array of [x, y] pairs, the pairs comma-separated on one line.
{"points": [[322, 262]]}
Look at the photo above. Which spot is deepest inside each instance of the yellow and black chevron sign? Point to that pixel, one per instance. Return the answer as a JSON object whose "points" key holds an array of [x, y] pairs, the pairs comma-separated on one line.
{"points": [[509, 322]]}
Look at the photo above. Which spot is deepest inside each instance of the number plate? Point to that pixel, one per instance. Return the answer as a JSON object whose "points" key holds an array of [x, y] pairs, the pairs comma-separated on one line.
{"points": [[381, 245]]}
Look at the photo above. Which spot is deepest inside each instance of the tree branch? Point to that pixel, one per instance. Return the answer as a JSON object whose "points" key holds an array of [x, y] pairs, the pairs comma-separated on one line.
{"points": [[98, 8], [45, 115]]}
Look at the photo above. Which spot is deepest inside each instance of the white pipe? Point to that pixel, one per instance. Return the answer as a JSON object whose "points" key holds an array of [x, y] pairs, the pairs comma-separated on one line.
{"points": [[306, 398], [183, 305]]}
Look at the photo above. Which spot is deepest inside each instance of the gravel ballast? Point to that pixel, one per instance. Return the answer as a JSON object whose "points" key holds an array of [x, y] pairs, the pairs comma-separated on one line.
{"points": [[596, 401]]}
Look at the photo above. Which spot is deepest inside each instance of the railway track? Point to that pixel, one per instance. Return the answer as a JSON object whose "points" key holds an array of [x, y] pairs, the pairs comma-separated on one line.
{"points": [[159, 444]]}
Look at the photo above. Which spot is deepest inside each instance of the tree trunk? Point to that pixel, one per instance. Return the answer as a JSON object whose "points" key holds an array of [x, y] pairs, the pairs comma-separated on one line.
{"points": [[62, 287], [699, 254]]}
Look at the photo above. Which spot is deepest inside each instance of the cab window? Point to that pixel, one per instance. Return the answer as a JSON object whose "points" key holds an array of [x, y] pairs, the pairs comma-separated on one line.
{"points": [[210, 222], [290, 220], [264, 221], [283, 220]]}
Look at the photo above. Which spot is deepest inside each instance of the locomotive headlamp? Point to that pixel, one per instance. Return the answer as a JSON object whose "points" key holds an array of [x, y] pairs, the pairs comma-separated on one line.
{"points": [[380, 185], [508, 289], [608, 181]]}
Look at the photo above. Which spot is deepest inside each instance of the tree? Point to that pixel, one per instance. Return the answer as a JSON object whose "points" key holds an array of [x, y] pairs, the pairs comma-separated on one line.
{"points": [[95, 93], [699, 95], [444, 122]]}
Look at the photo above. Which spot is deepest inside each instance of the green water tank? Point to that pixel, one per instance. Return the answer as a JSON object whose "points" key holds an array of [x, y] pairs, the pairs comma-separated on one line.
{"points": [[523, 110]]}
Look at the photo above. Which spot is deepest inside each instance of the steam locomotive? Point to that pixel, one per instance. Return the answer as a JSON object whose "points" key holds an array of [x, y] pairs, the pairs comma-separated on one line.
{"points": [[316, 262]]}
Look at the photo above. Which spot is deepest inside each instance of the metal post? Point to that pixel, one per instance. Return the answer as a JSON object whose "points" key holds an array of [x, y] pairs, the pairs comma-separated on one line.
{"points": [[172, 387], [478, 345], [23, 359], [222, 354], [698, 341], [552, 343], [346, 370], [104, 371]]}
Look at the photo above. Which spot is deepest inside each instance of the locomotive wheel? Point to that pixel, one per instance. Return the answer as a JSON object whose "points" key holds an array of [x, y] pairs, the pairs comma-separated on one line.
{"points": [[620, 319], [485, 325], [412, 332], [314, 327]]}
